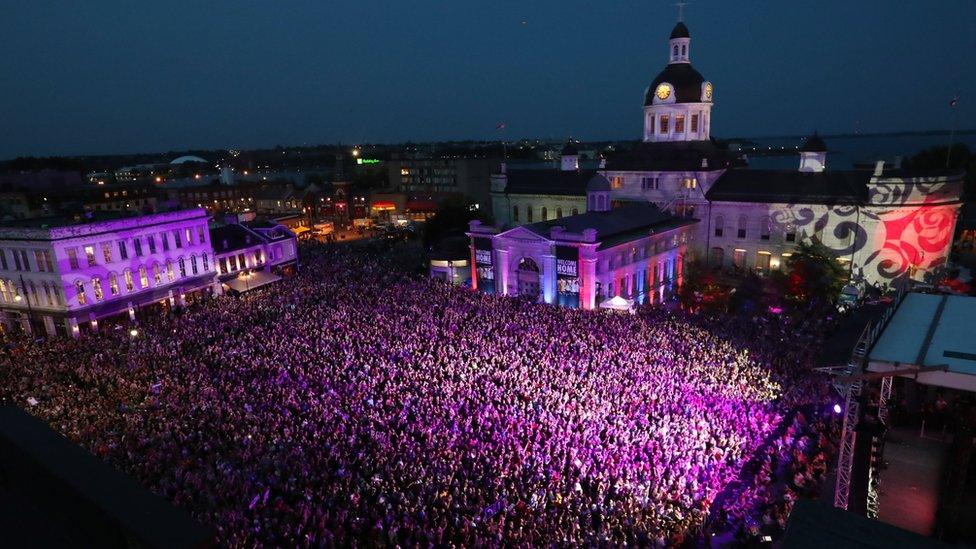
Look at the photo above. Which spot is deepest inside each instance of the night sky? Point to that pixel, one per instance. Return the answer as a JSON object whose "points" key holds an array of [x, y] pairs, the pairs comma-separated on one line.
{"points": [[111, 77]]}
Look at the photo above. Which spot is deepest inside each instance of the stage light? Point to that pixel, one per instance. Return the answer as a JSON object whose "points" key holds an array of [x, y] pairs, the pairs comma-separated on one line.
{"points": [[133, 332], [837, 408]]}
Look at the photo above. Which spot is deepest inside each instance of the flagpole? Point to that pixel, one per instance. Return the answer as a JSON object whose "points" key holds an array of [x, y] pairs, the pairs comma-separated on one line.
{"points": [[952, 128]]}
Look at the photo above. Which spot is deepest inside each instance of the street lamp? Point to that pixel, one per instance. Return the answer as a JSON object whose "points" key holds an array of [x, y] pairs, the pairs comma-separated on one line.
{"points": [[30, 310]]}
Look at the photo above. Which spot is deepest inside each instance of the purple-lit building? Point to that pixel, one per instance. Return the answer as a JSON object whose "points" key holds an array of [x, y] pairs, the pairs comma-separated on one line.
{"points": [[61, 276], [634, 252], [253, 253]]}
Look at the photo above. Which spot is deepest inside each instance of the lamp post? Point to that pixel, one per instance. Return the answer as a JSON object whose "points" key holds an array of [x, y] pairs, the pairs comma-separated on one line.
{"points": [[30, 310]]}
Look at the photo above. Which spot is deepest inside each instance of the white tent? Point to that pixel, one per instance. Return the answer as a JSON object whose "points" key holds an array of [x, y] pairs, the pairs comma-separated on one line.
{"points": [[618, 303]]}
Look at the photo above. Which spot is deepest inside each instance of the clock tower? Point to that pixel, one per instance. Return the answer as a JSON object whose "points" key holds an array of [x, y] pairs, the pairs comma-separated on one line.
{"points": [[678, 103]]}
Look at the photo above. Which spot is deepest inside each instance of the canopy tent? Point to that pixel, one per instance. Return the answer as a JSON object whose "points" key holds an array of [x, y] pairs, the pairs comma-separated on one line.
{"points": [[300, 230], [618, 303], [930, 330], [249, 281]]}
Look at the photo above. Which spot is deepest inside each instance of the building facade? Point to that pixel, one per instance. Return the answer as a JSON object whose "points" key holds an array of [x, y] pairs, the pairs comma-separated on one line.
{"points": [[883, 222], [60, 277]]}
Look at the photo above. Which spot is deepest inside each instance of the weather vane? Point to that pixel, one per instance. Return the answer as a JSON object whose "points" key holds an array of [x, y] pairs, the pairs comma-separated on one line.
{"points": [[681, 10]]}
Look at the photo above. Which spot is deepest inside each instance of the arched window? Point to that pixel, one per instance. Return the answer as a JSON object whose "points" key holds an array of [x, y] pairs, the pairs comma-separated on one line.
{"points": [[170, 272], [182, 262], [206, 262], [765, 227], [127, 276], [193, 264], [80, 292], [113, 283], [575, 211], [528, 213], [675, 53], [559, 213], [545, 213], [684, 50], [157, 275], [719, 226], [143, 277], [3, 291], [742, 227], [515, 214]]}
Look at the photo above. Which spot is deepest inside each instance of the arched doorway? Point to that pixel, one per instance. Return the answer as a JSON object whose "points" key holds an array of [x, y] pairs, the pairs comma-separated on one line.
{"points": [[528, 278]]}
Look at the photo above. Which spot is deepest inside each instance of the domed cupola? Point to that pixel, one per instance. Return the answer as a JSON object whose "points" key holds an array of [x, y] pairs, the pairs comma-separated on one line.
{"points": [[678, 103]]}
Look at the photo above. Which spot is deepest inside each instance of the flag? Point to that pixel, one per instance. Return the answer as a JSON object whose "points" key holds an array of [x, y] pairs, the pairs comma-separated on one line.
{"points": [[953, 101], [500, 127]]}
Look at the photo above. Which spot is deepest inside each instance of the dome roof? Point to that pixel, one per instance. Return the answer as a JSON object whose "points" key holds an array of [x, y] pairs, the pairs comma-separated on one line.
{"points": [[680, 31], [184, 159], [598, 183], [569, 149], [686, 81], [814, 144]]}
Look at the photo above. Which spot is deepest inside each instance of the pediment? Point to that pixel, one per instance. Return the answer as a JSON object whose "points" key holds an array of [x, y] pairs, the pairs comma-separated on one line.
{"points": [[522, 234]]}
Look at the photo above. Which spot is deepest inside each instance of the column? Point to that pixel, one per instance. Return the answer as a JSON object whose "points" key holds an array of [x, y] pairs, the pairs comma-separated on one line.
{"points": [[588, 283], [548, 278], [501, 272], [94, 321], [72, 324]]}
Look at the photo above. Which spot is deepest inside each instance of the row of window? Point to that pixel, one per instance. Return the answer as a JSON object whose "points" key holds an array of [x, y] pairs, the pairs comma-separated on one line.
{"points": [[544, 213], [129, 283], [629, 286], [664, 123], [180, 237], [43, 261], [765, 229], [635, 253], [44, 294], [238, 262]]}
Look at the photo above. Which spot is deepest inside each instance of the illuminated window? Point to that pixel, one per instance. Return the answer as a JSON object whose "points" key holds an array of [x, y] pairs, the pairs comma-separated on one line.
{"points": [[143, 277], [128, 280], [90, 255], [170, 272], [80, 291], [679, 123], [107, 252], [157, 276], [97, 287], [663, 123], [189, 236], [616, 182], [694, 123], [113, 283]]}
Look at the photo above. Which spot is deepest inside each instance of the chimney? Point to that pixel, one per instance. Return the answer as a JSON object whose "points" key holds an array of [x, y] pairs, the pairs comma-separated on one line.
{"points": [[879, 168]]}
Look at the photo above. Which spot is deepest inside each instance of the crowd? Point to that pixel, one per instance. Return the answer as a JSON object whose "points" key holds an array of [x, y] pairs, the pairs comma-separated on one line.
{"points": [[356, 402]]}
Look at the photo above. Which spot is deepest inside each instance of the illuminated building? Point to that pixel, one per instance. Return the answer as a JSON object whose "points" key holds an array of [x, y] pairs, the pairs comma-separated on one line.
{"points": [[881, 222], [60, 276]]}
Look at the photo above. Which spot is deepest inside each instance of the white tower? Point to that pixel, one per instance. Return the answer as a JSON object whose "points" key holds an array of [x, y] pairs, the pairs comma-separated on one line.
{"points": [[678, 103], [569, 157], [813, 154]]}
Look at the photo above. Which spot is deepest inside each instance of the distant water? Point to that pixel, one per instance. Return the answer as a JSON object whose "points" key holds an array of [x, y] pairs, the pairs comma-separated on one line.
{"points": [[844, 152]]}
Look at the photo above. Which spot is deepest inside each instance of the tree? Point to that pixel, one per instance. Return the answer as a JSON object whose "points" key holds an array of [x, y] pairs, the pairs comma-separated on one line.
{"points": [[700, 290], [934, 158], [815, 276]]}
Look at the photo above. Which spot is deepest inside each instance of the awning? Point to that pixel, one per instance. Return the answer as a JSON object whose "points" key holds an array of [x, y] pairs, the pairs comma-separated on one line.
{"points": [[421, 206], [618, 304], [249, 281], [300, 230], [383, 206]]}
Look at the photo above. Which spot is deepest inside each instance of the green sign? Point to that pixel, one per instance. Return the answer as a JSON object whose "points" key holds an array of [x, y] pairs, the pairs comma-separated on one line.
{"points": [[368, 161]]}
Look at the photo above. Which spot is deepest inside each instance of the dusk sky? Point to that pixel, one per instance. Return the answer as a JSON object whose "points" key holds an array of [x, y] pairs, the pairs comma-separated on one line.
{"points": [[103, 77]]}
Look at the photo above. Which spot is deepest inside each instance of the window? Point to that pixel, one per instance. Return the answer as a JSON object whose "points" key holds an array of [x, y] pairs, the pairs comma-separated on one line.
{"points": [[528, 213], [650, 183], [143, 277], [206, 264], [201, 234], [151, 240], [515, 214], [762, 261], [3, 260], [127, 275], [679, 123], [545, 213], [616, 182], [694, 123], [165, 241], [97, 286], [189, 236], [664, 123], [3, 291], [575, 211], [17, 265], [80, 292], [764, 229], [739, 258], [177, 240], [39, 259], [157, 276], [559, 213], [137, 246], [790, 233], [193, 264], [241, 261], [742, 227], [674, 53], [222, 267], [72, 258], [170, 271], [719, 226], [684, 49], [123, 250], [113, 283], [182, 268]]}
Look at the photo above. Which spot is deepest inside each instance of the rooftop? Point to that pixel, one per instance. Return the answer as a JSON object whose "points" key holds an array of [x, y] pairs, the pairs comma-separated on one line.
{"points": [[791, 187], [552, 181], [618, 225]]}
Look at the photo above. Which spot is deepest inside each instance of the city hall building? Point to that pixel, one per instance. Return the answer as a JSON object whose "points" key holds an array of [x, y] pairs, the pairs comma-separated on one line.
{"points": [[882, 222]]}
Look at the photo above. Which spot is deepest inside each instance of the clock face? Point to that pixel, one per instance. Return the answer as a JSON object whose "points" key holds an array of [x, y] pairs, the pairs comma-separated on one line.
{"points": [[708, 91], [663, 91]]}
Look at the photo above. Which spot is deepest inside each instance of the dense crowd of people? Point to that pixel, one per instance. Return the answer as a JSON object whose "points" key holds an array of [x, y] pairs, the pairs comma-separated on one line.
{"points": [[356, 402]]}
